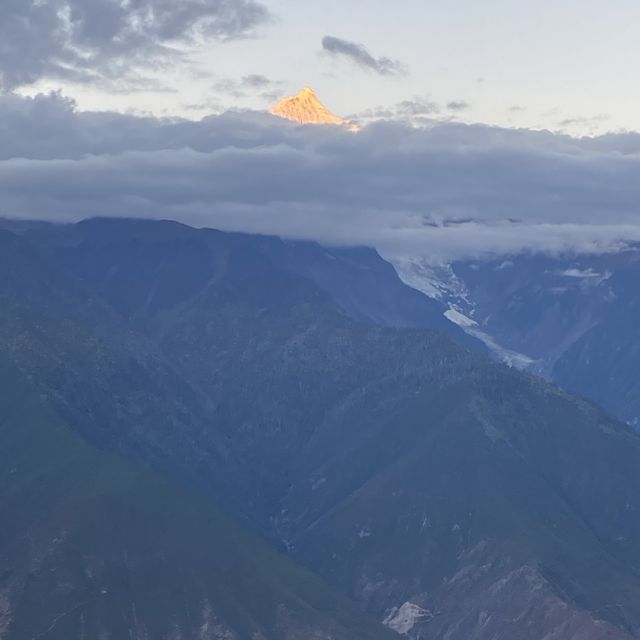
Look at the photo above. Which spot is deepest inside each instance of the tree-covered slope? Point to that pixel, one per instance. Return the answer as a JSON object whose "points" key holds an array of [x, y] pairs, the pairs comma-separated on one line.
{"points": [[604, 364], [92, 547], [574, 317], [452, 496]]}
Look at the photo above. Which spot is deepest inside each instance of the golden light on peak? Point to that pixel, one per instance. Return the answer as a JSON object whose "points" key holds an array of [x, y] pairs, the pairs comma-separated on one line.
{"points": [[306, 108]]}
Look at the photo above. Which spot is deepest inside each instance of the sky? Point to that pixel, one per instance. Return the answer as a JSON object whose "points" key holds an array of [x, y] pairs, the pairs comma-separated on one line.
{"points": [[490, 127], [569, 65]]}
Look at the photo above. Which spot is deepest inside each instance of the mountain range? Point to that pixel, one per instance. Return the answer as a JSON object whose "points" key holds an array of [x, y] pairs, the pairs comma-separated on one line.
{"points": [[572, 318], [213, 435]]}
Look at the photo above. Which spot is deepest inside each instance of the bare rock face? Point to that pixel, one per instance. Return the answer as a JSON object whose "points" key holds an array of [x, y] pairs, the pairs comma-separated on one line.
{"points": [[306, 108], [520, 605]]}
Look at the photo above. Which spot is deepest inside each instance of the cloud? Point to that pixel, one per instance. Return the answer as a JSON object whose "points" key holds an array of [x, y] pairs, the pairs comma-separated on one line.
{"points": [[248, 86], [418, 111], [458, 106], [588, 124], [104, 40], [445, 190], [358, 54], [417, 107]]}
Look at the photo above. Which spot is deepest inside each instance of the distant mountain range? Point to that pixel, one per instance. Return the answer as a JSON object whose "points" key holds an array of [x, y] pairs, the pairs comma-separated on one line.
{"points": [[161, 382]]}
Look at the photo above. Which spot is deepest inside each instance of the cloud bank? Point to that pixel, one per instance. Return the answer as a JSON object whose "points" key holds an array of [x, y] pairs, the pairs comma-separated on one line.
{"points": [[445, 190], [108, 40], [359, 55]]}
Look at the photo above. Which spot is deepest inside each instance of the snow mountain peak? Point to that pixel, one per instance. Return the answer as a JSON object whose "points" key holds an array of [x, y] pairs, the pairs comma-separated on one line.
{"points": [[306, 108]]}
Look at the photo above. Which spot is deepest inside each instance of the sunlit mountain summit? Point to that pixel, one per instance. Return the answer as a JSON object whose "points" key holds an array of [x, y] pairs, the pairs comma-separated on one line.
{"points": [[306, 108]]}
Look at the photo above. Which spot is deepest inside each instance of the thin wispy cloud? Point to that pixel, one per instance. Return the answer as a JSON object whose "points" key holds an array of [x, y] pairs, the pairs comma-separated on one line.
{"points": [[458, 106], [361, 57], [252, 85], [418, 107], [590, 124], [417, 110]]}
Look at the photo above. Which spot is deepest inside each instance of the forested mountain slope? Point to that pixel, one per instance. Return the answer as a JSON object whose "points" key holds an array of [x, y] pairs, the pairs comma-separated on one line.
{"points": [[451, 496]]}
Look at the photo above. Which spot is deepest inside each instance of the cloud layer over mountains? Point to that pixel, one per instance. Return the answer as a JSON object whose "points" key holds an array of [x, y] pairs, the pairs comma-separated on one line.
{"points": [[443, 189]]}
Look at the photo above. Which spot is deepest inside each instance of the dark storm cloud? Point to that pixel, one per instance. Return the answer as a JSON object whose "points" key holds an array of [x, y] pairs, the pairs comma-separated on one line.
{"points": [[446, 189], [90, 40], [360, 55]]}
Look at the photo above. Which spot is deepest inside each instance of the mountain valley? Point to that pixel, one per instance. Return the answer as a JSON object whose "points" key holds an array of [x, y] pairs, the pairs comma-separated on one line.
{"points": [[351, 430], [572, 318]]}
